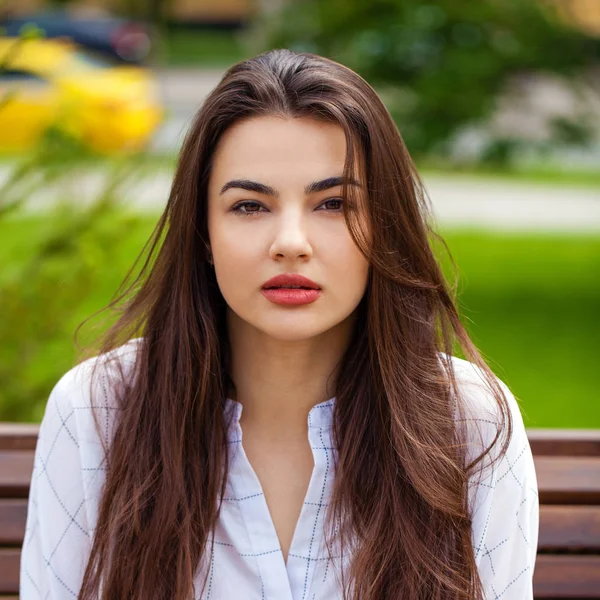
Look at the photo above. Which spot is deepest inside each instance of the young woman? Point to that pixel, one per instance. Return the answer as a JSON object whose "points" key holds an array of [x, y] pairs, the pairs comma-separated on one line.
{"points": [[278, 413]]}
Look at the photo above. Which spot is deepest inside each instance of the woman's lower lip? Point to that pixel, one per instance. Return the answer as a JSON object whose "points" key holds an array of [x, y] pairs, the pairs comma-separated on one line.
{"points": [[290, 296]]}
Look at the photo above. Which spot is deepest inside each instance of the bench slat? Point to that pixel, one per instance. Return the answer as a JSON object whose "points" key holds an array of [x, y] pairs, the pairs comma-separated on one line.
{"points": [[564, 442], [561, 527], [10, 562], [18, 436], [557, 476], [564, 480], [15, 473], [555, 576], [561, 480], [563, 576], [13, 519], [569, 528]]}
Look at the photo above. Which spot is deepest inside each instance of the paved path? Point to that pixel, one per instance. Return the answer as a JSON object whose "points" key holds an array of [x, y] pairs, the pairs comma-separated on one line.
{"points": [[457, 201], [502, 205]]}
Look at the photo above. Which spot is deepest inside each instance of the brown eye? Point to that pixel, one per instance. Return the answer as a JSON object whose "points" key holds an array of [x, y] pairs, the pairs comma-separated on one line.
{"points": [[335, 208], [247, 203]]}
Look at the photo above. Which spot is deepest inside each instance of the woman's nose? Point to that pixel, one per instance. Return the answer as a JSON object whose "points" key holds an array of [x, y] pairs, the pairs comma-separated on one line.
{"points": [[290, 237]]}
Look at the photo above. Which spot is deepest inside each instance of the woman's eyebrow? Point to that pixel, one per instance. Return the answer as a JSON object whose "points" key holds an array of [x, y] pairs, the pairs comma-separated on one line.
{"points": [[261, 188], [325, 184]]}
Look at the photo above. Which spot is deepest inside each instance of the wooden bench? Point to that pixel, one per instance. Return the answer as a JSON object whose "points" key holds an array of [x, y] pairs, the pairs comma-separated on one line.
{"points": [[568, 469], [567, 464]]}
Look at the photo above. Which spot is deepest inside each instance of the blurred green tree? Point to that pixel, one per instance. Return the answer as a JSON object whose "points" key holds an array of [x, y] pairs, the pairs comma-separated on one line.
{"points": [[439, 65], [152, 11]]}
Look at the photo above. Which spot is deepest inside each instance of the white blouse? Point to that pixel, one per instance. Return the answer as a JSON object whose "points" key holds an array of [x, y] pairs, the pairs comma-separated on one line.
{"points": [[247, 561]]}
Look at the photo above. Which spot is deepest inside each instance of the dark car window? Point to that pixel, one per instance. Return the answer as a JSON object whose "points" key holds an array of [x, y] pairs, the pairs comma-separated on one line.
{"points": [[10, 75]]}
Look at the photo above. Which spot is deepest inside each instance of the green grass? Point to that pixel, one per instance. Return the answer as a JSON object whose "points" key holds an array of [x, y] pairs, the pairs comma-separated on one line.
{"points": [[44, 301], [530, 303]]}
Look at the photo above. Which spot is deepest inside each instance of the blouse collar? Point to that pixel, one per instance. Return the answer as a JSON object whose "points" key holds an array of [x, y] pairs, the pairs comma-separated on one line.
{"points": [[319, 416]]}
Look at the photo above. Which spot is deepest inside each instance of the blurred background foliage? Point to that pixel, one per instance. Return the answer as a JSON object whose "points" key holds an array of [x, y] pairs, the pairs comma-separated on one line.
{"points": [[59, 266], [529, 300], [440, 65]]}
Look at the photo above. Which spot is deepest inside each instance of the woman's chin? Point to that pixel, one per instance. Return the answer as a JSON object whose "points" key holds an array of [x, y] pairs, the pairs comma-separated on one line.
{"points": [[293, 333]]}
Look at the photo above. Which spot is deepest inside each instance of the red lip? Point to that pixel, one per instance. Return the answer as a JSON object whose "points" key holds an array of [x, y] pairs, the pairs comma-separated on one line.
{"points": [[290, 279], [291, 296]]}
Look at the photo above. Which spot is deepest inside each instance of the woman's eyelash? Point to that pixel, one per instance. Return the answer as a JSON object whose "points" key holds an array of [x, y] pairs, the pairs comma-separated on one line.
{"points": [[237, 207]]}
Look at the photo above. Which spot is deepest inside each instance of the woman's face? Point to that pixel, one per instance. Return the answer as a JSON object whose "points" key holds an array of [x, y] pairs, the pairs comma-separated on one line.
{"points": [[269, 222]]}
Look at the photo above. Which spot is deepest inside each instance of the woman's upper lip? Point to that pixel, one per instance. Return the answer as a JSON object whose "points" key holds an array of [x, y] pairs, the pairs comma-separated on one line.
{"points": [[291, 279]]}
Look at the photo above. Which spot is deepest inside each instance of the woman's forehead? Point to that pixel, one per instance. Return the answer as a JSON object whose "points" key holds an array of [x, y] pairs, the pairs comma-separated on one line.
{"points": [[288, 150]]}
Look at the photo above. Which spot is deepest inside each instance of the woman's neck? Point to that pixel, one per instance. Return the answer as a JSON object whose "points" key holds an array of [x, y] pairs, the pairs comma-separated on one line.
{"points": [[279, 381]]}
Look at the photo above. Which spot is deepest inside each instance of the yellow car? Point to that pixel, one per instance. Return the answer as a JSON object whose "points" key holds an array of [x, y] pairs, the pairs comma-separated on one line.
{"points": [[50, 81]]}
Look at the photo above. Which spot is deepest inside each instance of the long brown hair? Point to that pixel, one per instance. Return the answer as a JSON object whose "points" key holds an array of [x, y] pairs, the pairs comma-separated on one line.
{"points": [[400, 496]]}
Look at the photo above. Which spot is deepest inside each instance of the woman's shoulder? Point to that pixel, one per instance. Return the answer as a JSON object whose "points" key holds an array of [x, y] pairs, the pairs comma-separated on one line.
{"points": [[87, 388], [478, 401], [480, 413], [88, 380]]}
